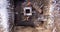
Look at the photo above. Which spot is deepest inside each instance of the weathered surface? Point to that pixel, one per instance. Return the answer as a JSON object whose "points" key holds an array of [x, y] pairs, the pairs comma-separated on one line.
{"points": [[38, 6], [49, 17]]}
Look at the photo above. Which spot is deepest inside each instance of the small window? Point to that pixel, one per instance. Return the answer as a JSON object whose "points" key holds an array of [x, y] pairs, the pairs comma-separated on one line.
{"points": [[27, 11]]}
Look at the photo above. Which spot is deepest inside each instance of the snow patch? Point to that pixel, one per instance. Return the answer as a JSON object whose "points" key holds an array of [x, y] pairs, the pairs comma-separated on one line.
{"points": [[4, 15]]}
